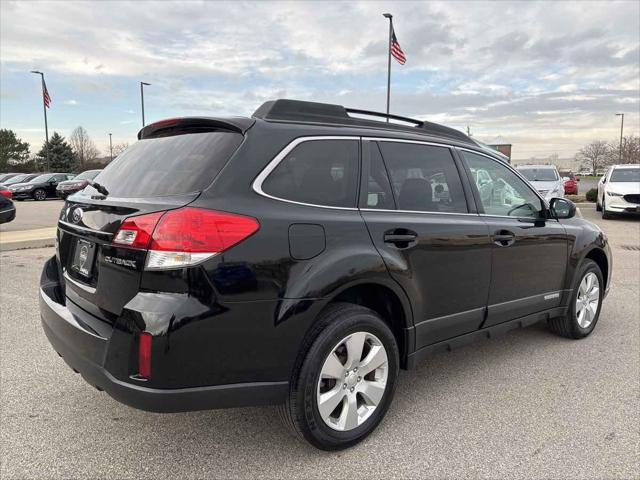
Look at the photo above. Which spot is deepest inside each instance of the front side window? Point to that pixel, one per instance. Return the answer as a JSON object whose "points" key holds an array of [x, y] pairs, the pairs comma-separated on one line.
{"points": [[424, 178], [501, 191], [318, 172]]}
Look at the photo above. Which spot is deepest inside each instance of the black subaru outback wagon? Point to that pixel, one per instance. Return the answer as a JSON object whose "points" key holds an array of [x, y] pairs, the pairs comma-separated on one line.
{"points": [[301, 257]]}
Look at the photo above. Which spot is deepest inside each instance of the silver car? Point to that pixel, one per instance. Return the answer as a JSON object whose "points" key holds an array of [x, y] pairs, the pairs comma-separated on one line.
{"points": [[545, 179]]}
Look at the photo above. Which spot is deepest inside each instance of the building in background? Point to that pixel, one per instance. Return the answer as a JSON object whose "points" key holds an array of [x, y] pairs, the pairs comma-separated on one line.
{"points": [[499, 144]]}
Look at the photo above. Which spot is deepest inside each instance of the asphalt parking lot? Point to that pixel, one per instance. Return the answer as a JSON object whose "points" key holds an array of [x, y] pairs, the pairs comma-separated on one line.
{"points": [[524, 405], [31, 215]]}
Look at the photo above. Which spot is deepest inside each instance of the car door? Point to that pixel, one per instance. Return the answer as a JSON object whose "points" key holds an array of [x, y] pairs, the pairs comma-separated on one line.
{"points": [[434, 245], [50, 186], [529, 251]]}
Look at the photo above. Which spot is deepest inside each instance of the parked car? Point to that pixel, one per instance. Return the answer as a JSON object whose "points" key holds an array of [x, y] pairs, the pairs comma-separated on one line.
{"points": [[301, 257], [66, 188], [39, 188], [545, 179], [6, 176], [7, 208], [570, 182], [21, 178], [619, 190]]}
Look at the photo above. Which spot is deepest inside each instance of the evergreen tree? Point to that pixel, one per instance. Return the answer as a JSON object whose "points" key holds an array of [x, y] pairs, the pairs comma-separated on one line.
{"points": [[11, 148], [61, 158]]}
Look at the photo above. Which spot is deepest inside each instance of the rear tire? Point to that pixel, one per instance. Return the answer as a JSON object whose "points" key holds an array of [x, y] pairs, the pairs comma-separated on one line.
{"points": [[361, 400], [579, 323], [39, 194]]}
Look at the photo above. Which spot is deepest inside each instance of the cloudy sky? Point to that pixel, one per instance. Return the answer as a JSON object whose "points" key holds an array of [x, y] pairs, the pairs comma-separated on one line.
{"points": [[547, 77]]}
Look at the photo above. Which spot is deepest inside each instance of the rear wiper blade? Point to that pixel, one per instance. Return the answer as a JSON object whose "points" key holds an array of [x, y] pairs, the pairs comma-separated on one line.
{"points": [[99, 188]]}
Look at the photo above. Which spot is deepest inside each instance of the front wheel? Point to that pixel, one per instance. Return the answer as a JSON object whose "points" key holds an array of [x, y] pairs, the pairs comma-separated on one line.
{"points": [[342, 389], [586, 302], [39, 194]]}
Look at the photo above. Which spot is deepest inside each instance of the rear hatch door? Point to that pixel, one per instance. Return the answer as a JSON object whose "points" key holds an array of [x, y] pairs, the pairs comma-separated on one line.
{"points": [[158, 173]]}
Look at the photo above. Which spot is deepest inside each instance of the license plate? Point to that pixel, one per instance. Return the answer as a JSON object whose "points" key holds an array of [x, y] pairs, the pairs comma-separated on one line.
{"points": [[83, 257]]}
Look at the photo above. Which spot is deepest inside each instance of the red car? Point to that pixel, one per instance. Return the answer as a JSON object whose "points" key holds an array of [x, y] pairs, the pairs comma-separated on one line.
{"points": [[570, 182], [5, 192]]}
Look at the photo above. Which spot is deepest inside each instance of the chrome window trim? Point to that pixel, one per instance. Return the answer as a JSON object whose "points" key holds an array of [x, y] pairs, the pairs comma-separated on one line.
{"points": [[271, 166], [85, 229], [403, 140], [418, 211]]}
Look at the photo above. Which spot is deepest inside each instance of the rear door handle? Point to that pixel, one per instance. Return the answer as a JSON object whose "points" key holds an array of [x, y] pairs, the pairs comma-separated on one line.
{"points": [[504, 238], [401, 239]]}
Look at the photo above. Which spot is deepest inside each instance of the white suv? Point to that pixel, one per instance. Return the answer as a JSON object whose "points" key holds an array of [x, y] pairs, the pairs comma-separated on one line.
{"points": [[545, 179], [619, 190]]}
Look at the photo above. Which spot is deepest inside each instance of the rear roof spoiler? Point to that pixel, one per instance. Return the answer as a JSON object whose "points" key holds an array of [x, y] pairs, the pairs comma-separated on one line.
{"points": [[232, 124], [312, 112]]}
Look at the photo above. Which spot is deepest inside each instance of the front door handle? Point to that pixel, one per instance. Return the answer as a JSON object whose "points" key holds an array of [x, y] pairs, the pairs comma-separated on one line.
{"points": [[401, 238], [504, 238]]}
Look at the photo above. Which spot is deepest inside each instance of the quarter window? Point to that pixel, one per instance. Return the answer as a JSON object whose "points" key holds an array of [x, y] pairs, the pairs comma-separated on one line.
{"points": [[319, 172], [500, 190], [423, 178]]}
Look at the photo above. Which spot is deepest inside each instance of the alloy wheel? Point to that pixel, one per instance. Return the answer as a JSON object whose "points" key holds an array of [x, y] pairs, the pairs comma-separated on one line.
{"points": [[40, 195], [587, 300], [352, 381]]}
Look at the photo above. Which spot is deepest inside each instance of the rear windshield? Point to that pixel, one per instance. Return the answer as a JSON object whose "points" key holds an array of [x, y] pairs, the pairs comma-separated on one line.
{"points": [[168, 165], [625, 175], [539, 174]]}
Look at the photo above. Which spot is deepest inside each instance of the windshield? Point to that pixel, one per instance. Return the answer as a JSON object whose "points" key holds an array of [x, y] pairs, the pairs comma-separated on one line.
{"points": [[168, 165], [625, 175], [42, 178], [17, 179], [539, 174], [88, 175]]}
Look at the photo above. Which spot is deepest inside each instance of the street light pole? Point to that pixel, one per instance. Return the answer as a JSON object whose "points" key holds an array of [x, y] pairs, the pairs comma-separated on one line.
{"points": [[142, 84], [621, 129], [110, 148], [390, 17], [44, 107]]}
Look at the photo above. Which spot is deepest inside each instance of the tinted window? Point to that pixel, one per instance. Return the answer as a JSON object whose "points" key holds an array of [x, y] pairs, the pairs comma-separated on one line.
{"points": [[501, 191], [423, 178], [42, 178], [539, 174], [625, 175], [321, 172], [168, 165], [378, 186]]}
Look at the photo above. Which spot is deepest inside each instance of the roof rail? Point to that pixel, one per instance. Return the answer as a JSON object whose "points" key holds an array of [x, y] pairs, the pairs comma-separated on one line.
{"points": [[313, 112]]}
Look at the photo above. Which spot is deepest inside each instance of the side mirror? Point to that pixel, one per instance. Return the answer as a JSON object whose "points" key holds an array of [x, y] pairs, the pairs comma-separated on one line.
{"points": [[562, 208]]}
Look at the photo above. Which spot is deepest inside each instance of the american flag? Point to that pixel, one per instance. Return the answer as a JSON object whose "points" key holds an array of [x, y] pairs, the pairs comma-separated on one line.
{"points": [[45, 94], [396, 50]]}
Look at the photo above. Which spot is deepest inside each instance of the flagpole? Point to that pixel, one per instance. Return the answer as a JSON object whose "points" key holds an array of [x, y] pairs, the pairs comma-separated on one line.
{"points": [[44, 108], [390, 17]]}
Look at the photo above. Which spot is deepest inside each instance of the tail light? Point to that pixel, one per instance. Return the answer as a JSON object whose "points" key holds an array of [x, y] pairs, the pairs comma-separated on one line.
{"points": [[185, 236], [144, 355], [6, 193]]}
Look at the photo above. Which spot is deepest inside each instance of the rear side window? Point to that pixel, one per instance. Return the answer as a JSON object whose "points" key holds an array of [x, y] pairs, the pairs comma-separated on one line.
{"points": [[319, 172], [424, 178], [169, 165]]}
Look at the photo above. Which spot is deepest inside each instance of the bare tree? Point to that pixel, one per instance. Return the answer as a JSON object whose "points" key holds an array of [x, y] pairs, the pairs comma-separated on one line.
{"points": [[118, 148], [596, 155], [630, 150], [83, 147]]}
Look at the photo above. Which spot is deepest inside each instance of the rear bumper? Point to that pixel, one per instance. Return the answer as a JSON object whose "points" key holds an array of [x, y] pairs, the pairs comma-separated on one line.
{"points": [[84, 349]]}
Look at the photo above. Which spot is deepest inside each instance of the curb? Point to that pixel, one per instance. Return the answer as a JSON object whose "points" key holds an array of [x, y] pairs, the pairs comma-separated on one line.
{"points": [[38, 243], [18, 240]]}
